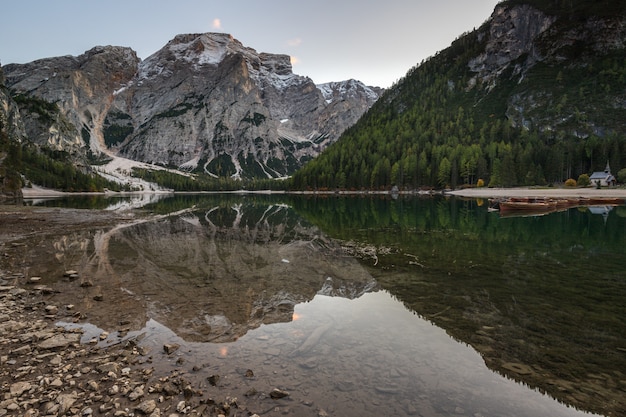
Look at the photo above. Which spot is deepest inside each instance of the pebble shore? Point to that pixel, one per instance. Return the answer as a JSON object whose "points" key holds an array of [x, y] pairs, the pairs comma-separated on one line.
{"points": [[45, 370]]}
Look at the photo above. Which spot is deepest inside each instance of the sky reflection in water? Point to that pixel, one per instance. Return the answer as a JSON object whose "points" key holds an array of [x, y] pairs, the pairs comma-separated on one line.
{"points": [[364, 357]]}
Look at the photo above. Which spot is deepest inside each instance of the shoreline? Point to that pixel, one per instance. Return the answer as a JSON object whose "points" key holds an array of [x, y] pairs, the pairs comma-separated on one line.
{"points": [[483, 192], [52, 365], [539, 192]]}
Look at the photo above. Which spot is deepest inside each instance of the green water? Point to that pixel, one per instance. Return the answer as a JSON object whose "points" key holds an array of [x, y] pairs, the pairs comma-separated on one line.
{"points": [[536, 302], [541, 298]]}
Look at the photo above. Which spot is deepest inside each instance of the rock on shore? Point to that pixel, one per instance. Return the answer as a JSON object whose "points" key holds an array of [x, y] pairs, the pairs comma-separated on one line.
{"points": [[46, 371]]}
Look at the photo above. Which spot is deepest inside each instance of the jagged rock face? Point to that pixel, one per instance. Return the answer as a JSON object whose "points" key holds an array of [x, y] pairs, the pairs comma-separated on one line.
{"points": [[511, 34], [594, 34], [11, 129], [203, 102], [82, 87], [518, 38], [207, 102], [525, 32], [11, 122], [346, 103]]}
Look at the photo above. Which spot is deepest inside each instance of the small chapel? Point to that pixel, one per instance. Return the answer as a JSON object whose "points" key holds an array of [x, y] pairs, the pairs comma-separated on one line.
{"points": [[603, 178]]}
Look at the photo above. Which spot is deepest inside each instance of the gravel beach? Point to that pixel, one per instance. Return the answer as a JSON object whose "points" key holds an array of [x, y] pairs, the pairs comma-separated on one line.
{"points": [[573, 192]]}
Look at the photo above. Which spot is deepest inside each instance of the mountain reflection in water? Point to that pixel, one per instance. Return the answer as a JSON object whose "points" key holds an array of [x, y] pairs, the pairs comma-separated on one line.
{"points": [[540, 300], [210, 275]]}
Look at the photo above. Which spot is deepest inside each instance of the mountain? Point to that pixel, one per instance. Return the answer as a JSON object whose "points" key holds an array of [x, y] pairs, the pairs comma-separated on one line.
{"points": [[11, 132], [536, 95], [203, 103]]}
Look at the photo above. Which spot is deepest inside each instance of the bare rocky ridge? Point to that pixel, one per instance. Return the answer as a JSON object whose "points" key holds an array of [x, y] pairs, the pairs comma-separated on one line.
{"points": [[10, 119], [82, 87], [512, 34], [522, 36], [203, 102]]}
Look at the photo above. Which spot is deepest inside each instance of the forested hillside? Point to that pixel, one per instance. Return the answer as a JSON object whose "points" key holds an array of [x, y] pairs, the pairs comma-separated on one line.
{"points": [[552, 109]]}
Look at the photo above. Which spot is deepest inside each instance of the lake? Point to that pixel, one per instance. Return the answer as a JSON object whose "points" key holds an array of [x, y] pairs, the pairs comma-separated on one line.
{"points": [[362, 305]]}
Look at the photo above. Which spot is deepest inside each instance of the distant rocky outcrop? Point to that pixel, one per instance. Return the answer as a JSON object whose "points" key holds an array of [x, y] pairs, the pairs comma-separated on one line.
{"points": [[511, 34], [346, 102], [203, 103]]}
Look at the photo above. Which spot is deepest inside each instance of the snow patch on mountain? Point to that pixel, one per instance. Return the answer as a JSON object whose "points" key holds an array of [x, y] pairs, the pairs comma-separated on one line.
{"points": [[201, 51], [150, 68], [340, 90]]}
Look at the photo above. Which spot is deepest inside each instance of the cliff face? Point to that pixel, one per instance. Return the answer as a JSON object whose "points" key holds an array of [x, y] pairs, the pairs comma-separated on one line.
{"points": [[11, 130], [10, 119], [81, 89], [204, 102], [545, 57], [524, 35], [510, 35]]}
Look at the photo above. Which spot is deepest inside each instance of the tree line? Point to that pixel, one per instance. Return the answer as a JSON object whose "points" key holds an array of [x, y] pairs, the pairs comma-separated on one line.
{"points": [[433, 129]]}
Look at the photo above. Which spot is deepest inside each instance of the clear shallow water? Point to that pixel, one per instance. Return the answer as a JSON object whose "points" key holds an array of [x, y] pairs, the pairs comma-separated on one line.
{"points": [[423, 294], [368, 356], [361, 357]]}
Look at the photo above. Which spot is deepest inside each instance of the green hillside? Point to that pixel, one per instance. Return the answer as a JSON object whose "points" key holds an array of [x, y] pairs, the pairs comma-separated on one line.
{"points": [[538, 123]]}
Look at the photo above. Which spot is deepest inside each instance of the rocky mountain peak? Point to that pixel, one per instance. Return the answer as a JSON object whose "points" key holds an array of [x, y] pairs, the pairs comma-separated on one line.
{"points": [[204, 102], [352, 89], [205, 48], [81, 88], [276, 63], [206, 51], [119, 54]]}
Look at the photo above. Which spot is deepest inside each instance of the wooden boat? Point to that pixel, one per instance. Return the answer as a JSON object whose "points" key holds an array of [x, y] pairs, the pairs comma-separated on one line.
{"points": [[605, 201], [527, 205], [536, 206], [563, 203]]}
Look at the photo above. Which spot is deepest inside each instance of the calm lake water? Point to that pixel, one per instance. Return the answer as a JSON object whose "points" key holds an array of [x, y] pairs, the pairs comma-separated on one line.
{"points": [[362, 306]]}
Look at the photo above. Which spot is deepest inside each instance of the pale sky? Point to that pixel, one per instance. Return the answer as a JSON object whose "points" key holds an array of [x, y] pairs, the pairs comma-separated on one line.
{"points": [[374, 41]]}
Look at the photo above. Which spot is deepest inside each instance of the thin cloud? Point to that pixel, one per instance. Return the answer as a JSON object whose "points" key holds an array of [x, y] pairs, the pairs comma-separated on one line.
{"points": [[217, 24], [294, 42]]}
